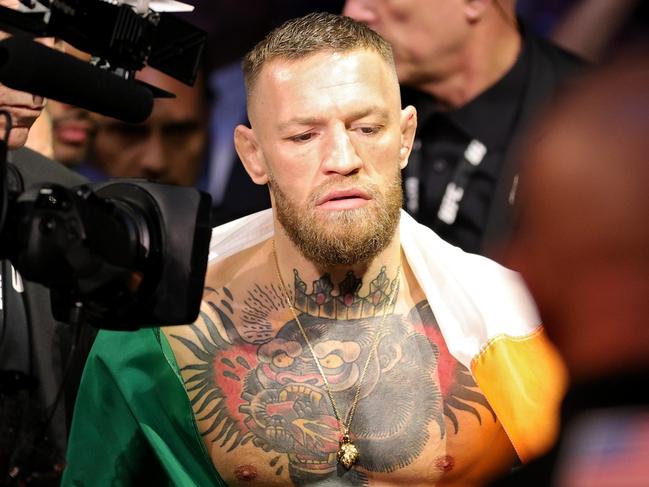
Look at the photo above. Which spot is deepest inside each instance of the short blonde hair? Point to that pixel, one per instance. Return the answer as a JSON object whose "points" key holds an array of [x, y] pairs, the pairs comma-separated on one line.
{"points": [[311, 34]]}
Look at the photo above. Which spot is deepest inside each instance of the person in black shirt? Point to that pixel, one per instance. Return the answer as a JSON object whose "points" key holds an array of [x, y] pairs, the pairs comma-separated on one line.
{"points": [[582, 246], [476, 77]]}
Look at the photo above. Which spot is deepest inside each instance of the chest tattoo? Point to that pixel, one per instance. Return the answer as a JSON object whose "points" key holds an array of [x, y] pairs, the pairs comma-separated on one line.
{"points": [[252, 383]]}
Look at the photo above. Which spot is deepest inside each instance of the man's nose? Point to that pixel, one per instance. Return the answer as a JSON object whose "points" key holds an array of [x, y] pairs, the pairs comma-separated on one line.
{"points": [[342, 157], [151, 163], [361, 10]]}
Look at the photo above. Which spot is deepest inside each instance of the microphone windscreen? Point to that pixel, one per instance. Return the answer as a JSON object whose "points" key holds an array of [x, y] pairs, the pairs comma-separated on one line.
{"points": [[28, 66]]}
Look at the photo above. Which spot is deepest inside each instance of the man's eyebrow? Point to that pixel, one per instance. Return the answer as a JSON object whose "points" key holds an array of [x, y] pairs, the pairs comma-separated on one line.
{"points": [[380, 112], [299, 121]]}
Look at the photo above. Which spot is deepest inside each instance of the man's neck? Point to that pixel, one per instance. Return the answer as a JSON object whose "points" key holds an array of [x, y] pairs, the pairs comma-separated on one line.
{"points": [[290, 260], [490, 54]]}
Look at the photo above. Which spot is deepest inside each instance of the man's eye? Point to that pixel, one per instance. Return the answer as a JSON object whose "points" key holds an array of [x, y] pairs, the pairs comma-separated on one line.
{"points": [[305, 137], [368, 130]]}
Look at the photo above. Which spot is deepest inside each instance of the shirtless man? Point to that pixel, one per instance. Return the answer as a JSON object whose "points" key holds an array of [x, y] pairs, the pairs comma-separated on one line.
{"points": [[336, 333]]}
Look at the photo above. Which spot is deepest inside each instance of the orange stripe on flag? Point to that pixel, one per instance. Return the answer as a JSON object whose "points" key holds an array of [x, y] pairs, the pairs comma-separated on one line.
{"points": [[524, 380]]}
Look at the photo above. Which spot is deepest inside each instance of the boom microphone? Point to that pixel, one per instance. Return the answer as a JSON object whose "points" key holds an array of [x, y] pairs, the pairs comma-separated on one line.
{"points": [[28, 66]]}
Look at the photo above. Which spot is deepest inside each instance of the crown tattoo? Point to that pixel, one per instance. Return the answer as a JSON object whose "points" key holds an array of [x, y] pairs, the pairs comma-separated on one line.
{"points": [[348, 304]]}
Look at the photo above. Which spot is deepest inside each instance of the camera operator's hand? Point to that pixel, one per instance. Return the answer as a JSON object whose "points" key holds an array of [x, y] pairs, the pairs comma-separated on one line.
{"points": [[23, 108]]}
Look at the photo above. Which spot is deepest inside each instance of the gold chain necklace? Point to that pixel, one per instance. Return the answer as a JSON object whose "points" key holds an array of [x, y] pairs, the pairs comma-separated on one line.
{"points": [[347, 452]]}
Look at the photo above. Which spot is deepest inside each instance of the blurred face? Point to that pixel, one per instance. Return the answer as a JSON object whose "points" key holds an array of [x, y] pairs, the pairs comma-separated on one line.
{"points": [[580, 222], [167, 147], [330, 138], [72, 130], [561, 227], [425, 35], [536, 249], [72, 127]]}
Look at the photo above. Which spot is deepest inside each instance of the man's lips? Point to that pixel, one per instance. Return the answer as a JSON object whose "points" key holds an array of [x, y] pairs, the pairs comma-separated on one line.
{"points": [[343, 199], [72, 132]]}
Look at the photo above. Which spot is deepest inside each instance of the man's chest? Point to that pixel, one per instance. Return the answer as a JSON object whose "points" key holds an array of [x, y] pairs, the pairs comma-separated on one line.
{"points": [[272, 409]]}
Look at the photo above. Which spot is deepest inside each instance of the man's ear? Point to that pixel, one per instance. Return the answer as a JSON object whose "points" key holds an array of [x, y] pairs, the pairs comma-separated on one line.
{"points": [[408, 127], [475, 9], [250, 154]]}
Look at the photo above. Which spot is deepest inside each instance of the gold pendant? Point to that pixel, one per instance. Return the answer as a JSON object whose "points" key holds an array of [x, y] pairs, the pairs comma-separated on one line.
{"points": [[347, 453]]}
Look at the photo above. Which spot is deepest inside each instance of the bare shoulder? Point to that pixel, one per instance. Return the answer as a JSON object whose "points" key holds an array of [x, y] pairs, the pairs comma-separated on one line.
{"points": [[234, 287], [240, 269]]}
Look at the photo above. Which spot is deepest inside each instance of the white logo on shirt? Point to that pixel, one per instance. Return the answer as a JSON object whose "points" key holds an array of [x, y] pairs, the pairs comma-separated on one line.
{"points": [[16, 281]]}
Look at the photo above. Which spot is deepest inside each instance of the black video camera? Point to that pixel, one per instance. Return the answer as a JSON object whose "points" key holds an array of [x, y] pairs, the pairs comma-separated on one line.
{"points": [[118, 255], [122, 254]]}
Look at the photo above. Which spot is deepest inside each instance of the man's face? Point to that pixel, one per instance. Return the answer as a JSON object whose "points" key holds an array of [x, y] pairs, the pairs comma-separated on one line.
{"points": [[72, 130], [332, 141], [425, 35], [167, 147]]}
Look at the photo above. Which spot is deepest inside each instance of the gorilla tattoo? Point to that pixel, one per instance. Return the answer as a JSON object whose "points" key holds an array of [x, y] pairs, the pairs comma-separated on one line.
{"points": [[265, 387]]}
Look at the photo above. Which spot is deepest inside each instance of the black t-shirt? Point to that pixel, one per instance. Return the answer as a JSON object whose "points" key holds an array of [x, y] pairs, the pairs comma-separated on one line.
{"points": [[442, 138]]}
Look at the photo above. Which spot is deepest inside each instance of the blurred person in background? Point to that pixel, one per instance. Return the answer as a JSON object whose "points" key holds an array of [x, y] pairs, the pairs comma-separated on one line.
{"points": [[476, 77], [168, 147], [591, 28], [72, 127], [583, 248], [63, 132], [72, 132]]}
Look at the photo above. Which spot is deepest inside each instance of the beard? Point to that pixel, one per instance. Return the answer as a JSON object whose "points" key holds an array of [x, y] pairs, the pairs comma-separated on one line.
{"points": [[345, 237]]}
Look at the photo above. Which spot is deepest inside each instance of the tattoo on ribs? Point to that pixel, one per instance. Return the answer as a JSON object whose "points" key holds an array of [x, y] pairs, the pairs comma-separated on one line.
{"points": [[260, 385]]}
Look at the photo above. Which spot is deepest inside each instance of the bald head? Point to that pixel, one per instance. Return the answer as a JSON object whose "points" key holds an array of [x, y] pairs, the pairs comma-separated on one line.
{"points": [[309, 35], [583, 242]]}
